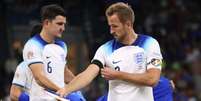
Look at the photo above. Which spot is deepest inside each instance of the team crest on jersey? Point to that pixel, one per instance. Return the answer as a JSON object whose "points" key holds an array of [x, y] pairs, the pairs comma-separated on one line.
{"points": [[30, 54], [139, 58]]}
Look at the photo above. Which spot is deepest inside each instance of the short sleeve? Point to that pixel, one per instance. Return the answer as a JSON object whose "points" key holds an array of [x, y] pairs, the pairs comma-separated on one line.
{"points": [[32, 54], [19, 78], [99, 55], [154, 56]]}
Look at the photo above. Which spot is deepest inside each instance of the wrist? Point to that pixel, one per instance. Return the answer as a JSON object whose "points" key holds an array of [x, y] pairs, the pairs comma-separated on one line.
{"points": [[118, 75], [67, 89], [23, 97]]}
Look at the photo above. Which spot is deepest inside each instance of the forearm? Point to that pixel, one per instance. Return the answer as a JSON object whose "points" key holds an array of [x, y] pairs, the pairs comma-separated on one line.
{"points": [[13, 98], [15, 93], [68, 75], [83, 79], [46, 83], [41, 79], [149, 78]]}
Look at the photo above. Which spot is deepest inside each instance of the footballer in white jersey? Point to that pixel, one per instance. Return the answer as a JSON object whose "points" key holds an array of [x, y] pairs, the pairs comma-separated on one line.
{"points": [[33, 53], [136, 58], [54, 57], [131, 62]]}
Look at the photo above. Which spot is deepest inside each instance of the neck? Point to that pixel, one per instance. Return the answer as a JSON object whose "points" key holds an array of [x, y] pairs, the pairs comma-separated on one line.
{"points": [[44, 35], [130, 37]]}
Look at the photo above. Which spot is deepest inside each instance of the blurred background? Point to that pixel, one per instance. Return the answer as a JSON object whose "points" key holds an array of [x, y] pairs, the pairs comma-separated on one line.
{"points": [[176, 24]]}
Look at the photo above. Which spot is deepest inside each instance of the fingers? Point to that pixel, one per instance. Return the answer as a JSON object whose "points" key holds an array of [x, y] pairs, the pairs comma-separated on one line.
{"points": [[104, 71], [108, 78], [61, 92], [105, 74]]}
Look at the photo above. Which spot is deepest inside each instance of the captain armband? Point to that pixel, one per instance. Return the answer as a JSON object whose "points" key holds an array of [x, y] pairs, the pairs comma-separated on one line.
{"points": [[155, 62], [98, 63]]}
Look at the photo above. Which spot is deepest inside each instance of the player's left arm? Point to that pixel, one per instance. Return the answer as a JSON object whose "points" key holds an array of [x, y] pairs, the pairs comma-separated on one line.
{"points": [[149, 78], [68, 75]]}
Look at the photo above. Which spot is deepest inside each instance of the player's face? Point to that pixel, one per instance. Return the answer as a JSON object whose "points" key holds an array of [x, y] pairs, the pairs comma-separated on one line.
{"points": [[117, 28], [57, 26]]}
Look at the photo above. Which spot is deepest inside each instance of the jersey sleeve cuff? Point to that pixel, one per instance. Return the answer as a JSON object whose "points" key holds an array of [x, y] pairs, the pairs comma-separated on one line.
{"points": [[17, 84], [35, 63]]}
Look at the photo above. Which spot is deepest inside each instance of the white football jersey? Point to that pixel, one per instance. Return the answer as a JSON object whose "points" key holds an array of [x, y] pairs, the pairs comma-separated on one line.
{"points": [[142, 55], [33, 53], [55, 60], [21, 77]]}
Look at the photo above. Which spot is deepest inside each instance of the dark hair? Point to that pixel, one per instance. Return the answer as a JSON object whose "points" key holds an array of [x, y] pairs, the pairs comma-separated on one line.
{"points": [[123, 11], [51, 11], [36, 29]]}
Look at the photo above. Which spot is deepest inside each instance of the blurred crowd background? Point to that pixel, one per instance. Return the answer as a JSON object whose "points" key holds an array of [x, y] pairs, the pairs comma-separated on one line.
{"points": [[176, 24]]}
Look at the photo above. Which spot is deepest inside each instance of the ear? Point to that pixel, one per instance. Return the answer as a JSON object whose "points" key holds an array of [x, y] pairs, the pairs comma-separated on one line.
{"points": [[45, 22], [128, 24]]}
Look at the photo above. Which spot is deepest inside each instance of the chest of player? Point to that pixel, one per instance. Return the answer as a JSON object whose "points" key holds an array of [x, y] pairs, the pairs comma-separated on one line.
{"points": [[130, 59], [54, 62]]}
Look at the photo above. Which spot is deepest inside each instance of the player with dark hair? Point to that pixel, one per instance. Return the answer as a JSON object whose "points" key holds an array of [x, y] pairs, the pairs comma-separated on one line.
{"points": [[53, 20]]}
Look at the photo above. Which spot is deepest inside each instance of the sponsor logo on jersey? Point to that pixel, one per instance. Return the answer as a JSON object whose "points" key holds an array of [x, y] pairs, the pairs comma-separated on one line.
{"points": [[115, 62]]}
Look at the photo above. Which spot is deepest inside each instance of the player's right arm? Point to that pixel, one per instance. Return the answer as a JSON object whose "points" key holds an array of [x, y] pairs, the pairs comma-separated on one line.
{"points": [[84, 78], [41, 79], [33, 57], [81, 80]]}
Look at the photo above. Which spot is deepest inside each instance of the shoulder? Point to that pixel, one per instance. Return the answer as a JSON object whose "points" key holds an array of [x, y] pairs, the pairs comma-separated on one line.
{"points": [[61, 43], [147, 38], [150, 38], [108, 46], [32, 48], [21, 67], [146, 41], [33, 43]]}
